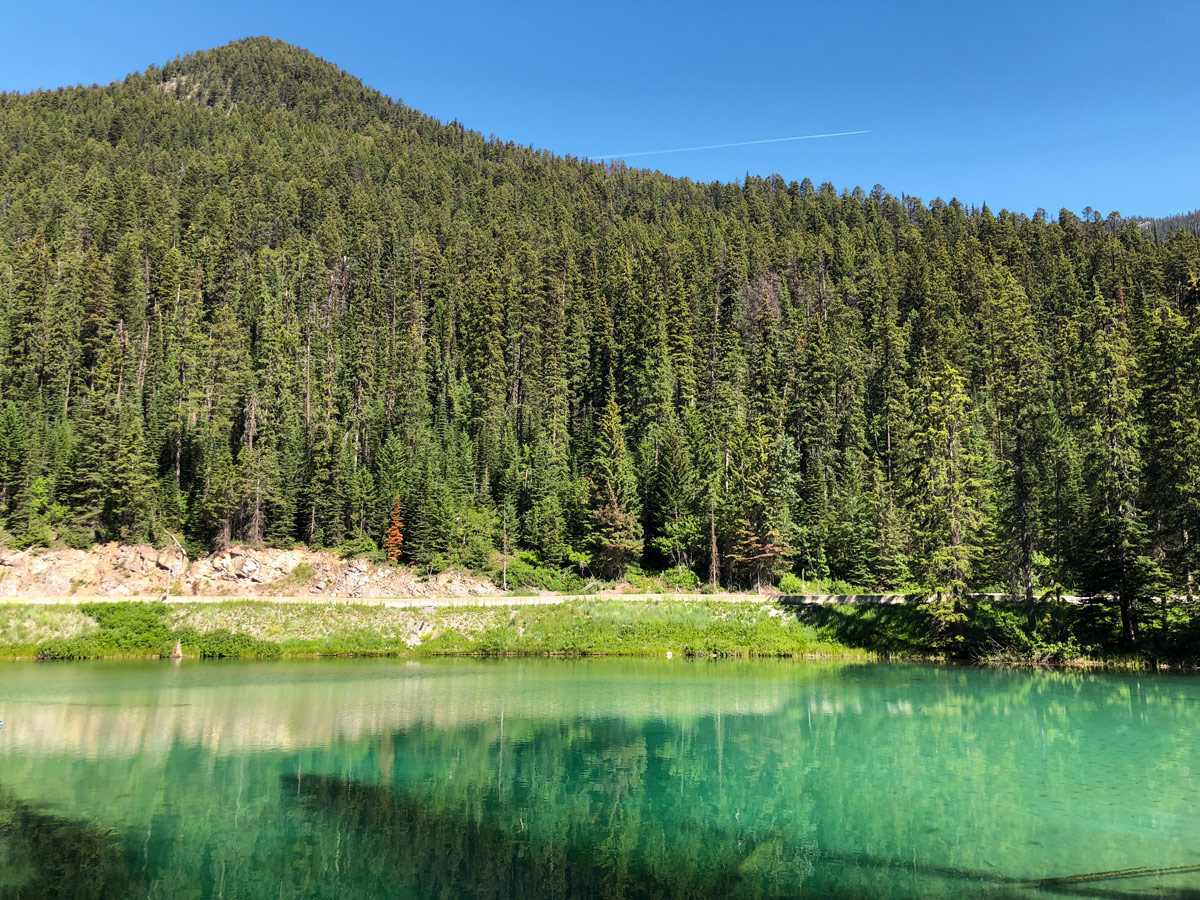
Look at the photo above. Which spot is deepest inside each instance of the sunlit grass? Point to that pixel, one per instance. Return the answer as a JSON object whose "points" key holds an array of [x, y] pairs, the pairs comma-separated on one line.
{"points": [[610, 627]]}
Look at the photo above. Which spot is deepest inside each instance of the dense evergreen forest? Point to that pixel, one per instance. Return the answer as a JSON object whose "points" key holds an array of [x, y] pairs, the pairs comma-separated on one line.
{"points": [[244, 298], [1167, 225]]}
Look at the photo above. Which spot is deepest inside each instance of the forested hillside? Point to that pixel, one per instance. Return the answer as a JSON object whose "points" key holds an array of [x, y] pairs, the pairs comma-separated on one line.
{"points": [[245, 298], [1164, 227]]}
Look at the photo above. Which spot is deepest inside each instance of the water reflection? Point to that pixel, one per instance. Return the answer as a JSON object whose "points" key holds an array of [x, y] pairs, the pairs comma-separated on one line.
{"points": [[606, 779], [48, 856], [114, 709], [392, 840]]}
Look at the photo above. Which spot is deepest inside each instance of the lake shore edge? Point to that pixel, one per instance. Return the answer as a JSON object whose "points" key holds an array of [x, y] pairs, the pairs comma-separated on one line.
{"points": [[657, 626]]}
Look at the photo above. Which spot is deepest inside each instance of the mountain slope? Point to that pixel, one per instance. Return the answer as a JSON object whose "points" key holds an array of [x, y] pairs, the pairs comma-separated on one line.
{"points": [[1165, 226], [246, 298]]}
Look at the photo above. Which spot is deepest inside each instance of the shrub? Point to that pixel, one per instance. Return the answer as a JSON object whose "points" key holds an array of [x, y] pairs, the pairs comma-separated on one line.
{"points": [[359, 546], [525, 571], [37, 535], [838, 586], [225, 644], [125, 629], [791, 583], [681, 579], [131, 627], [140, 629], [77, 538]]}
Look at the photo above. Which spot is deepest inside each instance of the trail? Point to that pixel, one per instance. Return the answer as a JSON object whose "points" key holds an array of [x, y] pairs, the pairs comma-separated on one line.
{"points": [[502, 601]]}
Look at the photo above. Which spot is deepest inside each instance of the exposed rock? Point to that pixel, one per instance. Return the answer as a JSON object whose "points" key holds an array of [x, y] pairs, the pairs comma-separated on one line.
{"points": [[117, 570]]}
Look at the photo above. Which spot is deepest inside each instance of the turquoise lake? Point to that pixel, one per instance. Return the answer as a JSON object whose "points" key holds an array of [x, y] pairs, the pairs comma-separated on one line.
{"points": [[595, 779]]}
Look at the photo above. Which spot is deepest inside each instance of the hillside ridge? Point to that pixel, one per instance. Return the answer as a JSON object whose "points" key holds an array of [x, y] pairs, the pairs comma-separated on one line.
{"points": [[270, 307], [262, 71]]}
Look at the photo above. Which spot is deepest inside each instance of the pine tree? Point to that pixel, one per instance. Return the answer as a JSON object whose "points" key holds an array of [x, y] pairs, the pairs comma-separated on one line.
{"points": [[943, 479], [129, 512], [393, 544], [1171, 399], [889, 540], [1114, 433], [757, 550], [617, 534], [1019, 394], [676, 493], [27, 313]]}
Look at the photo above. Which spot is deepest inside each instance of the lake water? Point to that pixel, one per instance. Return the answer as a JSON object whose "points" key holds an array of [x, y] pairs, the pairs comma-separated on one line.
{"points": [[594, 778]]}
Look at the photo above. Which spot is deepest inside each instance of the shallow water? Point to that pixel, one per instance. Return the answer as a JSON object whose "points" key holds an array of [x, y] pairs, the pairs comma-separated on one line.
{"points": [[593, 778]]}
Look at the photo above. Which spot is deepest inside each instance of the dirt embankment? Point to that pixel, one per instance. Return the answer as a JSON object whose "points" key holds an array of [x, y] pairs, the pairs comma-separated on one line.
{"points": [[138, 570]]}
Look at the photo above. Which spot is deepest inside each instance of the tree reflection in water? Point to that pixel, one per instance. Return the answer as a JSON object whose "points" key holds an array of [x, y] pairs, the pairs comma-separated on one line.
{"points": [[616, 780], [48, 856], [393, 842]]}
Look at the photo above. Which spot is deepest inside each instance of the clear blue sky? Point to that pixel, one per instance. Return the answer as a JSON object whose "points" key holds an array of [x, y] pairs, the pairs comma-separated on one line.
{"points": [[1019, 105]]}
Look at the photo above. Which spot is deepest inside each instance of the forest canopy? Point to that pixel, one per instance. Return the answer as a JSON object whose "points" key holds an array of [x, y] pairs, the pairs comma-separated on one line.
{"points": [[245, 298]]}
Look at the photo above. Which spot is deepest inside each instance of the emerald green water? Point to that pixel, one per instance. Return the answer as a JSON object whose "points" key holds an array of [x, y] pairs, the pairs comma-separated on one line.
{"points": [[593, 778]]}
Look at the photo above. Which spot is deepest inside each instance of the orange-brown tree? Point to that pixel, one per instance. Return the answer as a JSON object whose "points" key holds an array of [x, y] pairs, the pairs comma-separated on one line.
{"points": [[393, 544]]}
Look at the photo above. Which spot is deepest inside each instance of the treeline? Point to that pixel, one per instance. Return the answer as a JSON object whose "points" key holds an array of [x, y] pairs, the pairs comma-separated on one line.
{"points": [[1164, 227], [244, 298]]}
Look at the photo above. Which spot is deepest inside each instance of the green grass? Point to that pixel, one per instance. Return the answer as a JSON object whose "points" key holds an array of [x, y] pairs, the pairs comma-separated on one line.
{"points": [[294, 580], [257, 629], [609, 627], [124, 630], [987, 632], [994, 632]]}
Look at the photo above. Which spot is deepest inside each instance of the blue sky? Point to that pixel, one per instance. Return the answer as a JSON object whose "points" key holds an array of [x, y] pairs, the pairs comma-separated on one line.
{"points": [[1019, 105]]}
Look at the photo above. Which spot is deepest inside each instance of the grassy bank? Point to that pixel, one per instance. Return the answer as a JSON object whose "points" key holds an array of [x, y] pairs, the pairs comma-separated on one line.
{"points": [[984, 632], [262, 629], [994, 632]]}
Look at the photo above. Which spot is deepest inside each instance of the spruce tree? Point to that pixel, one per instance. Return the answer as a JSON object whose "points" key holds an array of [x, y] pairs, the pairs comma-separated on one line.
{"points": [[206, 330], [1113, 437], [676, 493], [1019, 395], [1171, 403], [944, 475], [393, 543], [617, 529]]}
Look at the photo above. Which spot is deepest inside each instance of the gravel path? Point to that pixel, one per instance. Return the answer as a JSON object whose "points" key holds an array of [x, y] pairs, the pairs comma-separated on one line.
{"points": [[505, 601]]}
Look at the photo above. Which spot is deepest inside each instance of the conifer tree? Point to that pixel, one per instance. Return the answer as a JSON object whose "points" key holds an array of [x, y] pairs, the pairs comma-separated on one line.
{"points": [[1171, 398], [945, 474], [393, 544], [617, 535], [1019, 394], [676, 493], [206, 330], [1114, 433]]}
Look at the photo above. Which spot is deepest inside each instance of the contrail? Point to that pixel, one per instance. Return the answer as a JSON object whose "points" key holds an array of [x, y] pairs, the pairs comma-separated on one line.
{"points": [[801, 137]]}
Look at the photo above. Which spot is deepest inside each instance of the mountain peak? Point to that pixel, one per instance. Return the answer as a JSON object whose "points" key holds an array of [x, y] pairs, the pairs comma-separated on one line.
{"points": [[262, 72]]}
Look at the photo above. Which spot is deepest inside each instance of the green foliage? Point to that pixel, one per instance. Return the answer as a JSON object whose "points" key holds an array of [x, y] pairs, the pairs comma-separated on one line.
{"points": [[526, 571], [245, 298], [608, 627], [792, 584], [680, 580], [125, 629], [135, 629], [357, 546], [224, 644], [617, 533], [971, 631], [77, 539], [670, 580], [616, 628]]}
